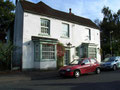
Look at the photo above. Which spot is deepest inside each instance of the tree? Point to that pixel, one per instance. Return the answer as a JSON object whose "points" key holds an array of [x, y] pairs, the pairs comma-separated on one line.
{"points": [[6, 15], [110, 31]]}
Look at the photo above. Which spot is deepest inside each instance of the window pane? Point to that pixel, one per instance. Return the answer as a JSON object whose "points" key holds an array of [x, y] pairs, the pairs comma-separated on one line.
{"points": [[65, 30], [92, 52], [37, 52], [48, 51], [45, 26]]}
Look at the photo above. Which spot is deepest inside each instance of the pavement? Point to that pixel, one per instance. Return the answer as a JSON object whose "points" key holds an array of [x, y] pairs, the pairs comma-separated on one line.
{"points": [[26, 75]]}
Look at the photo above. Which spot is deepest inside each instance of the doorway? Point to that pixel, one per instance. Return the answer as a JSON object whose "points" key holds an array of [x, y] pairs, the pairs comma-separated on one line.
{"points": [[67, 57]]}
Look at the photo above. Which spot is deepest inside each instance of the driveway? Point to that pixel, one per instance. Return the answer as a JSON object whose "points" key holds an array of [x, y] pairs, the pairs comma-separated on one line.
{"points": [[107, 80]]}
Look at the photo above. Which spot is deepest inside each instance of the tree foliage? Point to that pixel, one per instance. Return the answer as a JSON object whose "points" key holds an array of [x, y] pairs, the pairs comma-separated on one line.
{"points": [[6, 14], [110, 31]]}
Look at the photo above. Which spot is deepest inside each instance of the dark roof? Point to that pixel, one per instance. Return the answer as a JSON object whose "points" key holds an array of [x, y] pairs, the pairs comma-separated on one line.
{"points": [[43, 9]]}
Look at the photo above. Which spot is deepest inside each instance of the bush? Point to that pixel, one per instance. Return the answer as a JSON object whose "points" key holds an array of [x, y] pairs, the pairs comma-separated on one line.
{"points": [[5, 55], [60, 54]]}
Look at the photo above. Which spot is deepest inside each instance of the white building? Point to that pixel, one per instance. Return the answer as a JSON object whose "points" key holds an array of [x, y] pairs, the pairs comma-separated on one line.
{"points": [[38, 28]]}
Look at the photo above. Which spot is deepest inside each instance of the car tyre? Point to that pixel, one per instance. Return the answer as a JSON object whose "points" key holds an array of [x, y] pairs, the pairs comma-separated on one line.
{"points": [[76, 73], [114, 67], [97, 71]]}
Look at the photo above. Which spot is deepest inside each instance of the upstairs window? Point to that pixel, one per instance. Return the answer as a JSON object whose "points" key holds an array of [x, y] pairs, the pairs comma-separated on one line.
{"points": [[65, 30], [89, 34], [45, 26]]}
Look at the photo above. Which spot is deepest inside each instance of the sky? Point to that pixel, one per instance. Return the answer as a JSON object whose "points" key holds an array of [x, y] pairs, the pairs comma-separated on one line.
{"points": [[85, 8]]}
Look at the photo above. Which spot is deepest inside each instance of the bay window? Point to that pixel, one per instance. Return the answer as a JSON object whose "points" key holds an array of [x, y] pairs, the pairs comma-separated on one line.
{"points": [[37, 52], [48, 52]]}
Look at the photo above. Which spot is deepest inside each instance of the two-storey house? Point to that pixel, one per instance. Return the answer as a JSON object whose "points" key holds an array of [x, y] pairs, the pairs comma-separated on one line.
{"points": [[37, 30]]}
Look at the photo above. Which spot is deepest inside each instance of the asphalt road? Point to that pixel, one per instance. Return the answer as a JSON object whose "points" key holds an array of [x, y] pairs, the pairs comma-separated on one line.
{"points": [[107, 80]]}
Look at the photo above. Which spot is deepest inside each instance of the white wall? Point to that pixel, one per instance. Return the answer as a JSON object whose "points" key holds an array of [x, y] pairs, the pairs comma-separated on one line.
{"points": [[78, 35]]}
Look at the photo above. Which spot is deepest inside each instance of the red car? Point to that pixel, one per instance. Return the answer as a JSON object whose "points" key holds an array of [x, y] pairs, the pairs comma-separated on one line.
{"points": [[78, 67]]}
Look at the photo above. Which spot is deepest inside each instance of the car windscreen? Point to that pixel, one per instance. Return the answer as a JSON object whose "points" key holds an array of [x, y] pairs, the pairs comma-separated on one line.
{"points": [[109, 59], [76, 62]]}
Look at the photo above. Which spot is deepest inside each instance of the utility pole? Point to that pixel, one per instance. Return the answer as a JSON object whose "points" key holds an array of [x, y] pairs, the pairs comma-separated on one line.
{"points": [[111, 41]]}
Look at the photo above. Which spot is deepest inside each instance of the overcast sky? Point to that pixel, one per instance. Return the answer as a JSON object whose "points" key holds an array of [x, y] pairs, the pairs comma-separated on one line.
{"points": [[86, 8]]}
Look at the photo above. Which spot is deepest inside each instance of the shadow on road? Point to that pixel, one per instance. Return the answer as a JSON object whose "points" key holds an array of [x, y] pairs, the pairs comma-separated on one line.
{"points": [[89, 86], [55, 76]]}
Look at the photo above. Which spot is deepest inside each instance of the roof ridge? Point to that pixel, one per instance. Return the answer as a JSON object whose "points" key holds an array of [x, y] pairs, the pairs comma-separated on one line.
{"points": [[71, 14], [26, 1], [42, 3], [43, 9]]}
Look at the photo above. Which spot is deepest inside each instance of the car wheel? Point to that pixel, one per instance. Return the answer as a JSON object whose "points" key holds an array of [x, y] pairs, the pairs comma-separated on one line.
{"points": [[114, 67], [76, 73], [97, 71]]}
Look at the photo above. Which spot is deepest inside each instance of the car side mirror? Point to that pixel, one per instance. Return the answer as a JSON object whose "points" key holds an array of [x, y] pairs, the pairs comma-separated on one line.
{"points": [[82, 63]]}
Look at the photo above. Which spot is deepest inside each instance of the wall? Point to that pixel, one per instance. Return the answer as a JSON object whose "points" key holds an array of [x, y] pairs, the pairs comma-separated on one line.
{"points": [[18, 35], [78, 35]]}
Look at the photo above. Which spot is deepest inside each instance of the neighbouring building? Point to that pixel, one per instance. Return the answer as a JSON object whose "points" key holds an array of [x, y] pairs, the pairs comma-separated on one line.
{"points": [[37, 30]]}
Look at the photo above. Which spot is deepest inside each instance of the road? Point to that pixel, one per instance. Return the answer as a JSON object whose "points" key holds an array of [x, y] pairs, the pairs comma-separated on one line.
{"points": [[107, 80]]}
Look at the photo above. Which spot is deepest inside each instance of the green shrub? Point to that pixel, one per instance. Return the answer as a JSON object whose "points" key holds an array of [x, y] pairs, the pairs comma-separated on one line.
{"points": [[5, 55]]}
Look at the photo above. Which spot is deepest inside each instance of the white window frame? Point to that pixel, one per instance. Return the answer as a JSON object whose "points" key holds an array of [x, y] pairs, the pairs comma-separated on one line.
{"points": [[89, 34], [63, 31], [45, 26], [50, 53]]}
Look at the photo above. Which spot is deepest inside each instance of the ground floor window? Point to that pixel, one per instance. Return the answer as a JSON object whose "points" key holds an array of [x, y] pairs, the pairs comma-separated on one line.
{"points": [[44, 52], [88, 51], [37, 51], [92, 52], [48, 52]]}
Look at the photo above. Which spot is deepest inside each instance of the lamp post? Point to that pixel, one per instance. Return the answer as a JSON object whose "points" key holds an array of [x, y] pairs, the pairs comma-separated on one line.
{"points": [[69, 44], [111, 41]]}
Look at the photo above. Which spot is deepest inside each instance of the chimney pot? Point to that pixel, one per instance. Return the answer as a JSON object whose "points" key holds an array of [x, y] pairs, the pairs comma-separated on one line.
{"points": [[70, 10]]}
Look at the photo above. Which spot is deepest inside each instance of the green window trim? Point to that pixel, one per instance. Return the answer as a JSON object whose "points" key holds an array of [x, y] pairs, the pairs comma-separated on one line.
{"points": [[48, 52], [92, 52], [36, 59], [40, 52]]}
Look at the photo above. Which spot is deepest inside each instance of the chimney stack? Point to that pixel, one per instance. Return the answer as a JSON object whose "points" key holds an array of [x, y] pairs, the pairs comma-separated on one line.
{"points": [[70, 11]]}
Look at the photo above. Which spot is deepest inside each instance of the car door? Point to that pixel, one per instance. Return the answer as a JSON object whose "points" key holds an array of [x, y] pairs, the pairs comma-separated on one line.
{"points": [[85, 66], [93, 64]]}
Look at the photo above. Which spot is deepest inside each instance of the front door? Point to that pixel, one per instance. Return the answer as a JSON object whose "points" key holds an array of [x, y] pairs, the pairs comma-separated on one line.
{"points": [[67, 57]]}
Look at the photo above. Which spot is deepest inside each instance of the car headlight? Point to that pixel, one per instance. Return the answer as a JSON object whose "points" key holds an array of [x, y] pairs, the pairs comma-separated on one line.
{"points": [[68, 69]]}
